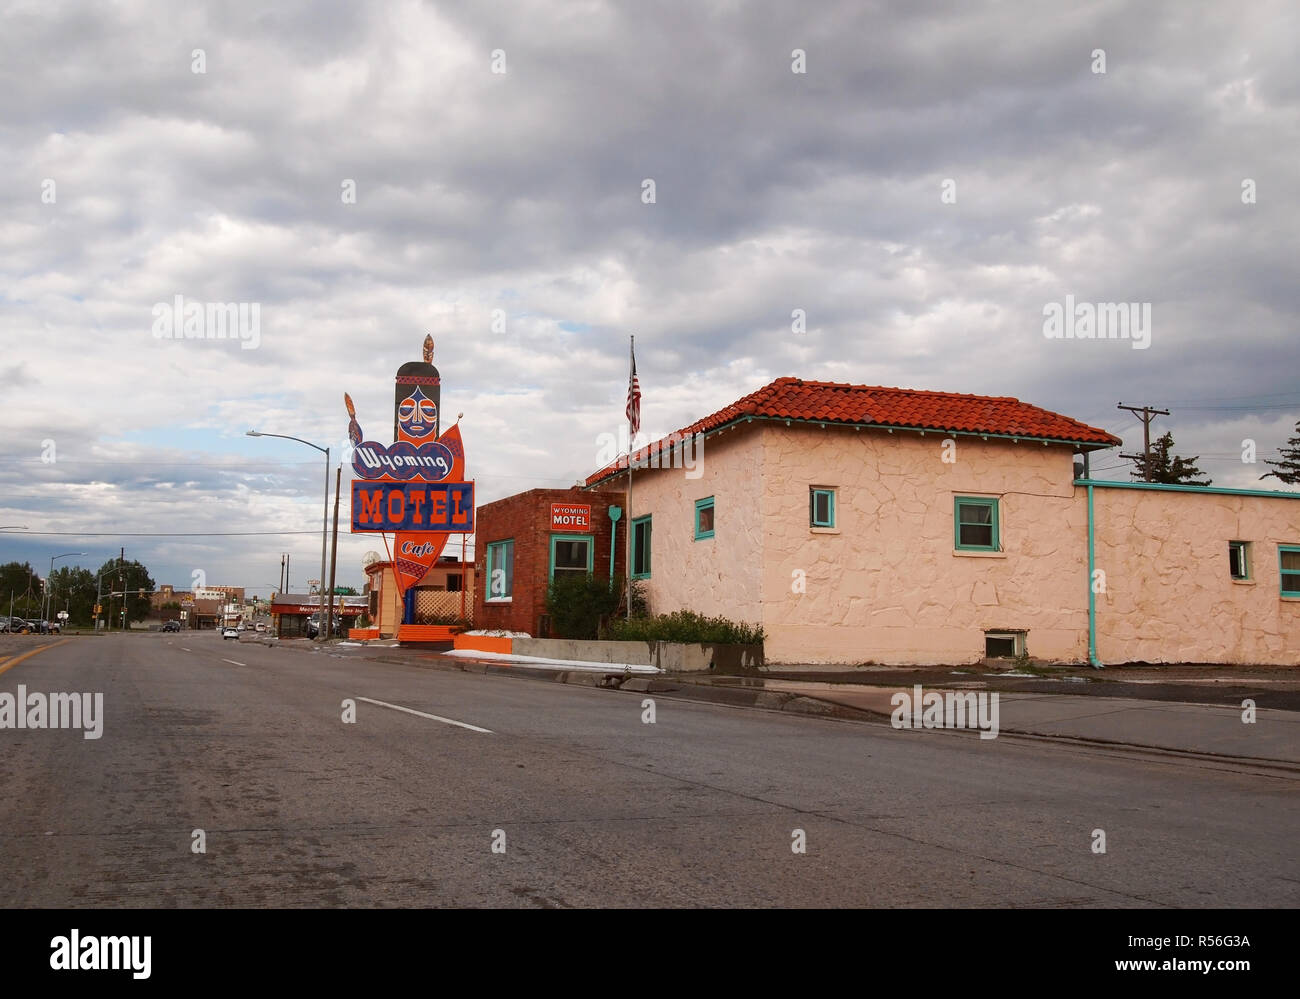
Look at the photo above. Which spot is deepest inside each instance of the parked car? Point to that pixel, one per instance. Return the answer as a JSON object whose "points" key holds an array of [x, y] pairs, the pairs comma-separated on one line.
{"points": [[313, 626], [19, 627], [261, 626], [229, 633], [172, 626]]}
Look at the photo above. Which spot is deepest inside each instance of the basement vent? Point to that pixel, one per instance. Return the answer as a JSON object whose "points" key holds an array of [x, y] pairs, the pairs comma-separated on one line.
{"points": [[1004, 644]]}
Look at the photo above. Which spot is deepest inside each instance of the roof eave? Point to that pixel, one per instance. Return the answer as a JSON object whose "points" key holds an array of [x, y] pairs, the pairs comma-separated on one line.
{"points": [[750, 418]]}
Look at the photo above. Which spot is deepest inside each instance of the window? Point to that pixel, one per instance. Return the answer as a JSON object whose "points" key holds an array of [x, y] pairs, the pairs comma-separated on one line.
{"points": [[641, 547], [570, 555], [1004, 644], [1288, 558], [453, 582], [1238, 562], [500, 570], [821, 507], [976, 522], [704, 518]]}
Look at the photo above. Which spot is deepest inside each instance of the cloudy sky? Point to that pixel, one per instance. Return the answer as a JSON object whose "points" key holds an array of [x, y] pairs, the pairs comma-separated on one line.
{"points": [[937, 174]]}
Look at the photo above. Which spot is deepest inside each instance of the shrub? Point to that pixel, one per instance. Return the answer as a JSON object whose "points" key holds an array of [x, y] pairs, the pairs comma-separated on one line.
{"points": [[578, 604], [687, 627]]}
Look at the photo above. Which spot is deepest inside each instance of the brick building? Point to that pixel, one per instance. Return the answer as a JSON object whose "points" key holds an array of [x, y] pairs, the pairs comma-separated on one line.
{"points": [[523, 540]]}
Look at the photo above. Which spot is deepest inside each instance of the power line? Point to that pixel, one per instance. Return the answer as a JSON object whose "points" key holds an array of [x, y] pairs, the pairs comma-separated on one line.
{"points": [[158, 534]]}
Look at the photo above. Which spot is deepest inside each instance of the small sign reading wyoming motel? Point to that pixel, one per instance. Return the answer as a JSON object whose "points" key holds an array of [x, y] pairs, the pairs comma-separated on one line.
{"points": [[571, 516]]}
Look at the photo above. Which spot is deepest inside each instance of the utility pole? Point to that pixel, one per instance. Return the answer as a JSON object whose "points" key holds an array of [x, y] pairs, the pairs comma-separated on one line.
{"points": [[1146, 414], [121, 581], [334, 554]]}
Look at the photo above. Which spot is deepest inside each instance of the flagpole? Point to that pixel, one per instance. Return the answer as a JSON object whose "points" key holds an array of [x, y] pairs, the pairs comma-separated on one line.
{"points": [[627, 568]]}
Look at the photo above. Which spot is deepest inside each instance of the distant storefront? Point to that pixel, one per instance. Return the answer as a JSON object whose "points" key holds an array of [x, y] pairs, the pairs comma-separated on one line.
{"points": [[290, 612]]}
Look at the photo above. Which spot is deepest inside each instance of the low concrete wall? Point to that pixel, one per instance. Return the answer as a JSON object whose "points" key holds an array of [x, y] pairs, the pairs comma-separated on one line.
{"points": [[634, 653], [671, 656]]}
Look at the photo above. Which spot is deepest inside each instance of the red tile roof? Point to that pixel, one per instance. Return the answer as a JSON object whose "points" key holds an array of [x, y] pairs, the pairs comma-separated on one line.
{"points": [[877, 405]]}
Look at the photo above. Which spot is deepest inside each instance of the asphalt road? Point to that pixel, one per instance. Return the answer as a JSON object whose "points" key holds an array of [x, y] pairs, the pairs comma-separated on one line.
{"points": [[594, 807]]}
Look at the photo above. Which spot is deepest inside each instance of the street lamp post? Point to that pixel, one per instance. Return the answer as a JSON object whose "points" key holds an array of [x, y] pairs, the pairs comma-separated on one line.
{"points": [[325, 513], [46, 603]]}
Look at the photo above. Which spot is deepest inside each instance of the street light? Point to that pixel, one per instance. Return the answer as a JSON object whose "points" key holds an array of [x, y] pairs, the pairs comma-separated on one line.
{"points": [[325, 514], [45, 604]]}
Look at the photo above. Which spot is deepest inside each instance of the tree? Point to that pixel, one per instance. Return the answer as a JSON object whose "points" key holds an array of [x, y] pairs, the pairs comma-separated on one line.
{"points": [[132, 577], [20, 581], [1287, 467], [1162, 466], [73, 588]]}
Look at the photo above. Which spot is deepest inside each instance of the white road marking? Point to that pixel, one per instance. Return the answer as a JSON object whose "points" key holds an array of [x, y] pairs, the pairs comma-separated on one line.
{"points": [[184, 649], [437, 718], [233, 663]]}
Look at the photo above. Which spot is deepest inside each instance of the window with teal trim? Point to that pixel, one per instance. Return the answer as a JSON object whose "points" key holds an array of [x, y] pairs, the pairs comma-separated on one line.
{"points": [[571, 554], [976, 524], [704, 518], [1288, 561], [1239, 559], [641, 547], [500, 570], [821, 507]]}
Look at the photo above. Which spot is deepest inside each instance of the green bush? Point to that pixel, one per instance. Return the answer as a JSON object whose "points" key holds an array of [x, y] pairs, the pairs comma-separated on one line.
{"points": [[578, 604], [687, 627]]}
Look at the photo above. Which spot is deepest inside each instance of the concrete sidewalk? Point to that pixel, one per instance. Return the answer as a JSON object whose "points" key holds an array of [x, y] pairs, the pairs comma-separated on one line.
{"points": [[1183, 727]]}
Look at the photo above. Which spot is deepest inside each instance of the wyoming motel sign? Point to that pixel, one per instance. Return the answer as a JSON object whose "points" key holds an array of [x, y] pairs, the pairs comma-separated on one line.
{"points": [[415, 487]]}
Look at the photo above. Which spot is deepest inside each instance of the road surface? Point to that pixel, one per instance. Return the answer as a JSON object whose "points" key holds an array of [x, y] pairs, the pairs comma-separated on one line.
{"points": [[508, 792]]}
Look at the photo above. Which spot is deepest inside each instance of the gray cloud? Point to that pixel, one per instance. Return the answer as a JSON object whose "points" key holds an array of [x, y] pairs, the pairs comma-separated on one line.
{"points": [[522, 192]]}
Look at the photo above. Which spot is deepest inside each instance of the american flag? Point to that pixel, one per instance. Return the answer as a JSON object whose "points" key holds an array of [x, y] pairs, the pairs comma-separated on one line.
{"points": [[633, 396]]}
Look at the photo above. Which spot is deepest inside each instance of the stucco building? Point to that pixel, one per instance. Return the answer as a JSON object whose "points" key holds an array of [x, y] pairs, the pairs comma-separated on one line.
{"points": [[867, 524]]}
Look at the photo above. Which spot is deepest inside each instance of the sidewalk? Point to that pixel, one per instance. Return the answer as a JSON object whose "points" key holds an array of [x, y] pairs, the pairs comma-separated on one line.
{"points": [[1184, 727]]}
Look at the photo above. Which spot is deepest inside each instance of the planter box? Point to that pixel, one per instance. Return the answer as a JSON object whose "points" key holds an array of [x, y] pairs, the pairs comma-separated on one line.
{"points": [[427, 632], [484, 643], [363, 634]]}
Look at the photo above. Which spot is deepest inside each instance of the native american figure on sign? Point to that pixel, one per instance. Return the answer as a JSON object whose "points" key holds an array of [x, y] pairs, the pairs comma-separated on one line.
{"points": [[418, 455]]}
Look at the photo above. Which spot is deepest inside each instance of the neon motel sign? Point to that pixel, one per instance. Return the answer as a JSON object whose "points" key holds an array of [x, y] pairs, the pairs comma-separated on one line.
{"points": [[414, 488]]}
